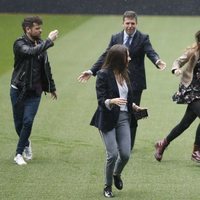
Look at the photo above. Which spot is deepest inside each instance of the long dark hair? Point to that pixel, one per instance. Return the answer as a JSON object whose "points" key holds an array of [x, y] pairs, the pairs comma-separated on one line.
{"points": [[197, 37], [117, 60], [195, 47]]}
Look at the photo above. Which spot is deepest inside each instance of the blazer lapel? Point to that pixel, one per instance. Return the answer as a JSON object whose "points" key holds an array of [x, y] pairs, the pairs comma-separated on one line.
{"points": [[113, 82], [120, 38], [135, 39]]}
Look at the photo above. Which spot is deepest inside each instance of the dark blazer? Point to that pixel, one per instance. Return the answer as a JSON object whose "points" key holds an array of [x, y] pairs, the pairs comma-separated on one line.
{"points": [[139, 47], [106, 88]]}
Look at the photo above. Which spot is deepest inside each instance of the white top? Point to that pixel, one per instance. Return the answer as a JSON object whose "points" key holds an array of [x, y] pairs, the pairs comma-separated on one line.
{"points": [[123, 93]]}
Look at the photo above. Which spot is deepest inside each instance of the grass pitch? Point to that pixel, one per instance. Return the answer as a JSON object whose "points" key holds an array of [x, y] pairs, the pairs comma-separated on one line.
{"points": [[68, 153]]}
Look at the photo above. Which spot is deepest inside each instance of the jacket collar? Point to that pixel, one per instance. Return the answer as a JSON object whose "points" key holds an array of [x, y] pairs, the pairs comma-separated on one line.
{"points": [[134, 42], [30, 41]]}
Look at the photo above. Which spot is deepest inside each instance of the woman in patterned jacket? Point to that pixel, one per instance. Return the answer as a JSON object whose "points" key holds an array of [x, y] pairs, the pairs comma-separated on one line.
{"points": [[188, 93]]}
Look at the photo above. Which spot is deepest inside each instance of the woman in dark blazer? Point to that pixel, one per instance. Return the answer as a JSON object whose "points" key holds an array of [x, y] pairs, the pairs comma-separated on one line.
{"points": [[113, 115]]}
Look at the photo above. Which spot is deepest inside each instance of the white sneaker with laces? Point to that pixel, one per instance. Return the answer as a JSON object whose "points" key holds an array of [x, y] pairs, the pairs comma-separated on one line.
{"points": [[28, 155], [19, 160]]}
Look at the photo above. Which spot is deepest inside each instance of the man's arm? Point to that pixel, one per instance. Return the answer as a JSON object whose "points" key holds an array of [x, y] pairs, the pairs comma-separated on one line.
{"points": [[85, 75], [20, 47], [152, 55]]}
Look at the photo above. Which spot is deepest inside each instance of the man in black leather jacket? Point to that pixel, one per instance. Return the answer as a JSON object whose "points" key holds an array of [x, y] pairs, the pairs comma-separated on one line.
{"points": [[31, 76]]}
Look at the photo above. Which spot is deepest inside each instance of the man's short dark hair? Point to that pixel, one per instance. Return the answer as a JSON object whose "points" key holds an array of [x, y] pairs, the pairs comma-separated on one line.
{"points": [[130, 14], [29, 21]]}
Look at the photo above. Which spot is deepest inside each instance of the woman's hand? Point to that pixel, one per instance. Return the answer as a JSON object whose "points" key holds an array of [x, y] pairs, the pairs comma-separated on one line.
{"points": [[118, 101], [137, 108], [178, 72]]}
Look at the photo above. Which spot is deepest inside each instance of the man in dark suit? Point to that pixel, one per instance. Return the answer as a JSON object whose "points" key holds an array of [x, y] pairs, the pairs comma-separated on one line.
{"points": [[139, 45]]}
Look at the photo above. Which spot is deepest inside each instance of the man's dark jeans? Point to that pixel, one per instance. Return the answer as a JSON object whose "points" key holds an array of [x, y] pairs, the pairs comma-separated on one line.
{"points": [[23, 113]]}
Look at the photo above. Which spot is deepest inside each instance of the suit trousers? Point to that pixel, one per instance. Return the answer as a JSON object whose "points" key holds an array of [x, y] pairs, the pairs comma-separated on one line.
{"points": [[137, 94], [118, 147]]}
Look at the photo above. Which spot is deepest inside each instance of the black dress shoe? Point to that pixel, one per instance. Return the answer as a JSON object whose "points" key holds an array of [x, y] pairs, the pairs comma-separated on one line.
{"points": [[107, 191], [118, 182]]}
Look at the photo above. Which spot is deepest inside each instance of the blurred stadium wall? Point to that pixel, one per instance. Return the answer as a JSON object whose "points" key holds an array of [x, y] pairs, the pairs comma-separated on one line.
{"points": [[142, 7]]}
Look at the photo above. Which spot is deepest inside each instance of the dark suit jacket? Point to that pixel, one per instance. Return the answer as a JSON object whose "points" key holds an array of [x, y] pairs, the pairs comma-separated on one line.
{"points": [[106, 88], [139, 47]]}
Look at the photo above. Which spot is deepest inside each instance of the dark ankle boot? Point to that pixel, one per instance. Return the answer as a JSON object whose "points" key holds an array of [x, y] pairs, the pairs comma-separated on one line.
{"points": [[118, 182], [160, 148]]}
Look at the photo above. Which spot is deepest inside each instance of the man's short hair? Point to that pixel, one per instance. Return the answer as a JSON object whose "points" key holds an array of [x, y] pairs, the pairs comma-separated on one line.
{"points": [[130, 14], [29, 22]]}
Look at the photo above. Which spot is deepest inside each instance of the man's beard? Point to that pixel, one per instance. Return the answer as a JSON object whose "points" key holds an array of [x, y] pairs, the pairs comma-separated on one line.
{"points": [[34, 37]]}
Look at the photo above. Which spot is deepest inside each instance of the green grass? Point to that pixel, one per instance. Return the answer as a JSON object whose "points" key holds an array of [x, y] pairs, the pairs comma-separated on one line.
{"points": [[11, 29], [68, 153]]}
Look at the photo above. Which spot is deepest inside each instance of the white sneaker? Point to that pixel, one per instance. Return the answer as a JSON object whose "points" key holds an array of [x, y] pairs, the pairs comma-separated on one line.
{"points": [[28, 155], [19, 160]]}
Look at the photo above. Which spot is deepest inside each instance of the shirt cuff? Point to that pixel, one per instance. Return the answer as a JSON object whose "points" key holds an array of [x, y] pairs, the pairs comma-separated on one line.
{"points": [[89, 72], [158, 61], [107, 104]]}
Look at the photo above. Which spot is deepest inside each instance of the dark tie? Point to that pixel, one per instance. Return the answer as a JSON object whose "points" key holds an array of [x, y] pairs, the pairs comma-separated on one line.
{"points": [[127, 43]]}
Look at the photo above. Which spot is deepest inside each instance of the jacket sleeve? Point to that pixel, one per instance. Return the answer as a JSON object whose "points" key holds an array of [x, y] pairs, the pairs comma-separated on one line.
{"points": [[50, 81], [181, 61], [101, 89], [21, 48], [97, 66], [150, 52]]}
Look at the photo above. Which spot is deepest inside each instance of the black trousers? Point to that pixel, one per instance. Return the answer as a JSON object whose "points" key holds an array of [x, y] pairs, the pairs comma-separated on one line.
{"points": [[137, 94], [191, 113]]}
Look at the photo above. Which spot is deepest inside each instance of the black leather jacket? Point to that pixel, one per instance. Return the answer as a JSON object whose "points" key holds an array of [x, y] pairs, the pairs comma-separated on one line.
{"points": [[24, 54]]}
